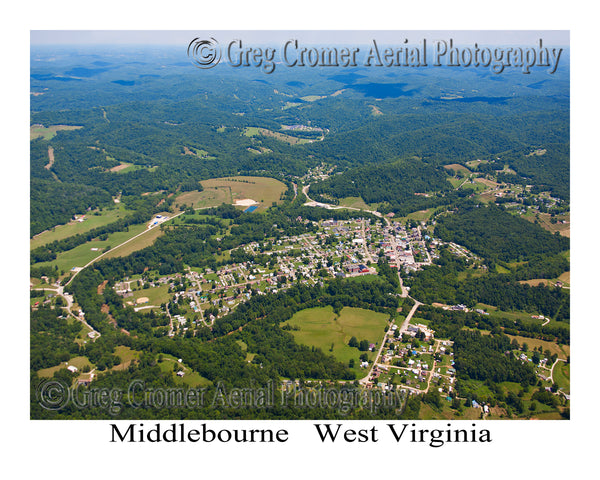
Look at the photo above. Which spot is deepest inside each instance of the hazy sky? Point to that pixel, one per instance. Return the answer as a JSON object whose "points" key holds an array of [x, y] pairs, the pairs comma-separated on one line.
{"points": [[178, 37]]}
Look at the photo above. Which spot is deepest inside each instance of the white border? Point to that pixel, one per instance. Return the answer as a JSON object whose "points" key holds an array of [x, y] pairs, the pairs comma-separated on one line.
{"points": [[53, 449]]}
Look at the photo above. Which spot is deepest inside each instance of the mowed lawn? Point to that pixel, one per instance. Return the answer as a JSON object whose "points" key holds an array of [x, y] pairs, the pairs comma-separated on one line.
{"points": [[319, 327], [155, 295]]}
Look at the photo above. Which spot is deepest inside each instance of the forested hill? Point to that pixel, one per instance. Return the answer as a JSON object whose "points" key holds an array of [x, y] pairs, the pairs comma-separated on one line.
{"points": [[444, 137], [495, 234], [397, 184]]}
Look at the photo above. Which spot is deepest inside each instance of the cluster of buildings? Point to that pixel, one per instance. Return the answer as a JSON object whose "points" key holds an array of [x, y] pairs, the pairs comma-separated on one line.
{"points": [[338, 248]]}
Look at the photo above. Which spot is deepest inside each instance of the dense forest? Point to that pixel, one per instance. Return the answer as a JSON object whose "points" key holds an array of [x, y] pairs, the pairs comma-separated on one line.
{"points": [[494, 234], [394, 185]]}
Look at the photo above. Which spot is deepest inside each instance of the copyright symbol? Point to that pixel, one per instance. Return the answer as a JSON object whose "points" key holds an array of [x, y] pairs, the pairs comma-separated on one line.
{"points": [[204, 53], [52, 394]]}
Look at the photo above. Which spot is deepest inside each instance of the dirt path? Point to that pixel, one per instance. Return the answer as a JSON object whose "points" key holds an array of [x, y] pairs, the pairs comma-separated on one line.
{"points": [[50, 158]]}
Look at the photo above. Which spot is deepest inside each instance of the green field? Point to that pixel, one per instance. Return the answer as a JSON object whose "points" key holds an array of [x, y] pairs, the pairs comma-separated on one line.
{"points": [[191, 378], [73, 228], [83, 254], [78, 362], [37, 131], [562, 376], [320, 327], [355, 202], [142, 241], [418, 216], [155, 295]]}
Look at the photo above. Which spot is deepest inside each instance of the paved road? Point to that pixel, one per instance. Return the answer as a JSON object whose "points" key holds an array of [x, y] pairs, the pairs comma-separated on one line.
{"points": [[114, 248], [403, 329]]}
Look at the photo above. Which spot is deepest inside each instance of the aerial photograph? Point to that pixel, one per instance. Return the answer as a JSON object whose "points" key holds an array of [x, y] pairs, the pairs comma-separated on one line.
{"points": [[300, 225]]}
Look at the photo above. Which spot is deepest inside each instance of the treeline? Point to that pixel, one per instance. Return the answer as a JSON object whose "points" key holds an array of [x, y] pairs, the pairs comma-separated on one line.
{"points": [[434, 284], [440, 283], [549, 171], [493, 233], [489, 357], [447, 323], [51, 339], [53, 203], [337, 293], [394, 184], [49, 251]]}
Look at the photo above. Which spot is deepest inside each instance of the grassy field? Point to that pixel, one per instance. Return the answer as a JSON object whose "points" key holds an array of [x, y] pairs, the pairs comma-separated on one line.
{"points": [[142, 241], [312, 98], [488, 183], [458, 168], [127, 355], [73, 228], [38, 131], [229, 189], [206, 198], [419, 216], [562, 351], [319, 327], [563, 229], [355, 202], [191, 378], [78, 362], [82, 254], [155, 295], [515, 315], [261, 189], [562, 376]]}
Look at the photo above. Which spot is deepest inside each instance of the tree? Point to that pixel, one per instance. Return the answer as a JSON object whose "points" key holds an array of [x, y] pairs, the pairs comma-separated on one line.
{"points": [[353, 342]]}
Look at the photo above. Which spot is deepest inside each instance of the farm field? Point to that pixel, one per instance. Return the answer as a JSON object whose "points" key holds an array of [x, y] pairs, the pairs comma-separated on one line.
{"points": [[319, 327], [261, 189], [229, 189], [91, 221], [458, 168], [39, 131]]}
